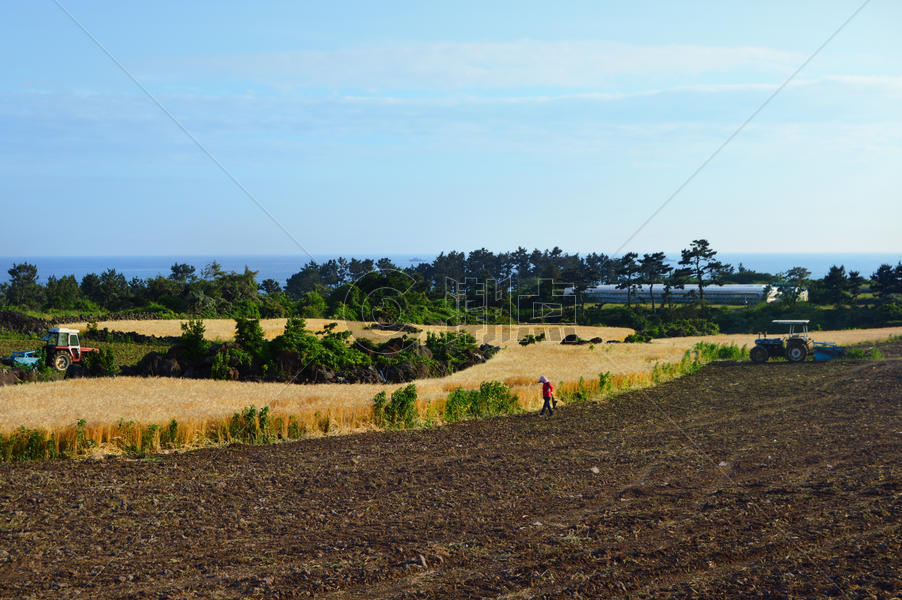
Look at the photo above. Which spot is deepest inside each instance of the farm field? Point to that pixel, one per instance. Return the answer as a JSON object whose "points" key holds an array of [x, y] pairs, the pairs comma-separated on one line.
{"points": [[104, 402], [738, 481], [498, 335]]}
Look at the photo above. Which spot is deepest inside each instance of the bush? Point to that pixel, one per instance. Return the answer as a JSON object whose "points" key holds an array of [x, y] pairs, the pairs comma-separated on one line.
{"points": [[705, 352], [532, 339], [192, 339], [452, 347], [605, 382], [492, 398], [101, 363], [582, 393], [637, 338], [400, 412], [859, 353], [249, 335], [250, 426]]}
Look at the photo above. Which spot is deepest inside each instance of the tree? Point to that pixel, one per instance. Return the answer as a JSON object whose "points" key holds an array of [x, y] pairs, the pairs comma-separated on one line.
{"points": [[269, 286], [312, 305], [305, 280], [90, 287], [385, 264], [23, 288], [627, 271], [701, 266], [791, 283], [62, 292], [359, 268], [181, 272], [520, 260], [854, 284], [676, 280], [211, 271], [887, 281], [112, 290], [652, 270], [835, 285]]}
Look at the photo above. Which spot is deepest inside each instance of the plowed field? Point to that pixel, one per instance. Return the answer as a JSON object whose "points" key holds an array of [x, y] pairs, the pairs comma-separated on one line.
{"points": [[742, 480]]}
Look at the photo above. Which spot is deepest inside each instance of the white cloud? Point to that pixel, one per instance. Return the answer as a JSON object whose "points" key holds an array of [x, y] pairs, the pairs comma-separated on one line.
{"points": [[527, 63]]}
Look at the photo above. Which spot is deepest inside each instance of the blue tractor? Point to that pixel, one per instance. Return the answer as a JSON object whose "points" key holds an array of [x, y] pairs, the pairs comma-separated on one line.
{"points": [[796, 347]]}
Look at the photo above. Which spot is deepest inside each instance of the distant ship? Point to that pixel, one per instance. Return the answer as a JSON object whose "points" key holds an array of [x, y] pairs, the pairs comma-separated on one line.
{"points": [[416, 259]]}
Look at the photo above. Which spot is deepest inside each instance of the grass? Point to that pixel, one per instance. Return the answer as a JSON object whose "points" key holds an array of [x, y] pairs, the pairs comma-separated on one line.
{"points": [[125, 353], [282, 420], [499, 335], [118, 411]]}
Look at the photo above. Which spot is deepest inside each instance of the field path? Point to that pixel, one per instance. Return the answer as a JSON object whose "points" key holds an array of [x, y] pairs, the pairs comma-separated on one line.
{"points": [[741, 480]]}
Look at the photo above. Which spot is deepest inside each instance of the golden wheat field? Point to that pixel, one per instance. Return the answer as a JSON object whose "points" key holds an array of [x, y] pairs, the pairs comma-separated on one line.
{"points": [[498, 335], [105, 402]]}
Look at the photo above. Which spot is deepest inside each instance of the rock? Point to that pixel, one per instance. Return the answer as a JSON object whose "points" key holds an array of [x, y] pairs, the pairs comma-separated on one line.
{"points": [[75, 371], [169, 367], [11, 320], [149, 365], [8, 378], [596, 340]]}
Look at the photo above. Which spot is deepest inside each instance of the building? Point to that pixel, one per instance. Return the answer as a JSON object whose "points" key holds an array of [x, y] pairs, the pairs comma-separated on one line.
{"points": [[731, 293]]}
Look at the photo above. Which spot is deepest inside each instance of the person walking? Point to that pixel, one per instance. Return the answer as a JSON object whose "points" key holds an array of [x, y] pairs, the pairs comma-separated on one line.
{"points": [[547, 396]]}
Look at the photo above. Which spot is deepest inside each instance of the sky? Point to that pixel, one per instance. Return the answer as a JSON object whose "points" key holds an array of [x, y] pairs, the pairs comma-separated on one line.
{"points": [[405, 127]]}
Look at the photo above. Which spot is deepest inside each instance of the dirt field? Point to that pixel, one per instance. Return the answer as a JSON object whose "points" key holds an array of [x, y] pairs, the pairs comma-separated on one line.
{"points": [[742, 480]]}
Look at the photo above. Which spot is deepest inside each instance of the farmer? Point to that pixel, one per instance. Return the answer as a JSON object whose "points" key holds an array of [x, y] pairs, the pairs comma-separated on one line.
{"points": [[547, 391]]}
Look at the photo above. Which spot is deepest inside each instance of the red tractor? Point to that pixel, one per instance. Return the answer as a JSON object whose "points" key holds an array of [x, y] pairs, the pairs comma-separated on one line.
{"points": [[63, 348]]}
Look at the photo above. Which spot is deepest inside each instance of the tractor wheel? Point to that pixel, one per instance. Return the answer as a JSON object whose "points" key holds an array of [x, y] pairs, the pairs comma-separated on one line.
{"points": [[796, 352], [61, 361], [759, 354]]}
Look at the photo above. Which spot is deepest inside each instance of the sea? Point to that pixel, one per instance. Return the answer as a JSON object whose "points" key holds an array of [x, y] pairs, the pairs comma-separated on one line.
{"points": [[282, 266]]}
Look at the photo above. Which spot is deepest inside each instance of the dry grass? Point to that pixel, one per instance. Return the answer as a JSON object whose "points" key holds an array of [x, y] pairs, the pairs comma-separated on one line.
{"points": [[105, 402], [499, 335]]}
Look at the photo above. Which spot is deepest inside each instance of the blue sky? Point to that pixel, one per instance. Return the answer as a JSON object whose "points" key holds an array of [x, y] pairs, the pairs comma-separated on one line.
{"points": [[407, 127]]}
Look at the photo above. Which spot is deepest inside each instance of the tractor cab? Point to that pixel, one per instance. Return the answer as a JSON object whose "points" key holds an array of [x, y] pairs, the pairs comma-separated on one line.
{"points": [[795, 347]]}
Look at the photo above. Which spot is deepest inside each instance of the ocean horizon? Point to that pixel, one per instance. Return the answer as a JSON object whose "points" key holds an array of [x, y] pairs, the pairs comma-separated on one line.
{"points": [[282, 266]]}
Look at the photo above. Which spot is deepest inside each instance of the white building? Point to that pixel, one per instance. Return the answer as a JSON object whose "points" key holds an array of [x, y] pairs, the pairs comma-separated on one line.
{"points": [[731, 293]]}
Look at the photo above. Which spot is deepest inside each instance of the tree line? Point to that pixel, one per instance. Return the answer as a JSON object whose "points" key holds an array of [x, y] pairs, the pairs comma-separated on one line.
{"points": [[367, 289]]}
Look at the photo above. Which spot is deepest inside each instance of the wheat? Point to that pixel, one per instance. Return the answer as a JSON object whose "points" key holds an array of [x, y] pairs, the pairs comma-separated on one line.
{"points": [[497, 335], [104, 401]]}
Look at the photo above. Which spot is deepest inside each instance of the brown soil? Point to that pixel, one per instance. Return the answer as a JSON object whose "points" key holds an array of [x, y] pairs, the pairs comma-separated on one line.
{"points": [[773, 480]]}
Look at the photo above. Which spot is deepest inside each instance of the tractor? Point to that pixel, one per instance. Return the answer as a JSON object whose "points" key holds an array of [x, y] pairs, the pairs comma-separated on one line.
{"points": [[62, 349], [796, 347]]}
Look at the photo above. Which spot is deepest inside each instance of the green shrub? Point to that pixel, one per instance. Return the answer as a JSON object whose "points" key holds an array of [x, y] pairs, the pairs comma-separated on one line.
{"points": [[192, 339], [582, 393], [532, 339], [859, 353], [27, 444], [492, 398], [249, 335], [251, 426], [451, 347], [400, 412], [169, 435], [101, 363], [605, 382]]}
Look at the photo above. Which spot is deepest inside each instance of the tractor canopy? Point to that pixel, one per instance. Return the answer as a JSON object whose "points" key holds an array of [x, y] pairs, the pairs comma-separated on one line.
{"points": [[60, 336]]}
